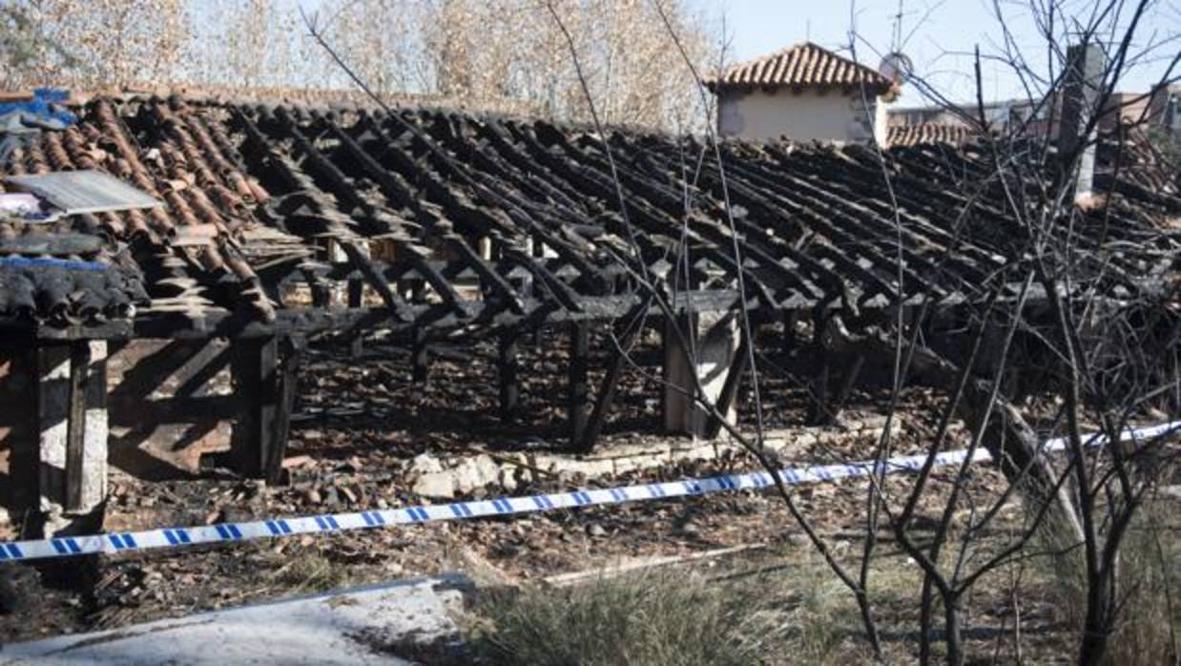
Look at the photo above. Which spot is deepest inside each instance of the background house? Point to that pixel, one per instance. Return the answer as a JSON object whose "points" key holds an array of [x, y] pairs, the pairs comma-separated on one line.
{"points": [[803, 93], [1153, 110]]}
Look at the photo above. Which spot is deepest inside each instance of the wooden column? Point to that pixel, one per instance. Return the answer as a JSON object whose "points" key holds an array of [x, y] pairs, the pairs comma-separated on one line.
{"points": [[790, 338], [355, 300], [420, 356], [58, 464], [264, 374], [508, 368], [818, 412], [711, 360], [579, 391], [728, 398]]}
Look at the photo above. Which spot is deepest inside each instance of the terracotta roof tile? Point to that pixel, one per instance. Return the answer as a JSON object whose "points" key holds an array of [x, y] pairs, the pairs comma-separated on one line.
{"points": [[923, 133], [802, 65]]}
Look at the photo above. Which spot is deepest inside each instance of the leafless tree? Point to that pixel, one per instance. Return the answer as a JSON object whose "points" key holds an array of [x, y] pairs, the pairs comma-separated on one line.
{"points": [[1065, 305]]}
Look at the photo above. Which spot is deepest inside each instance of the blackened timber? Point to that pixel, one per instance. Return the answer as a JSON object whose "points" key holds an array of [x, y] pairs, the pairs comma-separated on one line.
{"points": [[561, 292], [508, 366], [867, 216], [621, 344], [263, 157], [254, 369], [578, 387], [393, 186], [789, 342], [356, 289], [397, 306], [420, 355], [488, 275], [290, 352], [342, 186], [437, 282], [848, 382], [76, 424]]}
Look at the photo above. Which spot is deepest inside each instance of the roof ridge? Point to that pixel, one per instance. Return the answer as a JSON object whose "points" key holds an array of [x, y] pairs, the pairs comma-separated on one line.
{"points": [[804, 63]]}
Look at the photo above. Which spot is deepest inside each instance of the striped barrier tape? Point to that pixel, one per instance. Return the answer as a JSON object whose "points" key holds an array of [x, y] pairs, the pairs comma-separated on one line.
{"points": [[174, 537]]}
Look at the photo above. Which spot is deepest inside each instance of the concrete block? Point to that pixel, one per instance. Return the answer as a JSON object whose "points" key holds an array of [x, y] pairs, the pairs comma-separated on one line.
{"points": [[710, 359], [362, 626]]}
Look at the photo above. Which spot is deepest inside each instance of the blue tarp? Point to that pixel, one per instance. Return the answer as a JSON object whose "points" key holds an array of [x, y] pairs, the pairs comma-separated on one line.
{"points": [[43, 112], [45, 109]]}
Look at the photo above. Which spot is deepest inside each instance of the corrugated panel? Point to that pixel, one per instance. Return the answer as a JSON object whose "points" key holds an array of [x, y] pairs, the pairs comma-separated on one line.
{"points": [[86, 191]]}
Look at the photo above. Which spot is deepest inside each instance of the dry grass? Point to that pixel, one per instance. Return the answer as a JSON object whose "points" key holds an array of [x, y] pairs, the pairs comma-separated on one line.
{"points": [[310, 572], [796, 613], [1150, 571], [657, 618]]}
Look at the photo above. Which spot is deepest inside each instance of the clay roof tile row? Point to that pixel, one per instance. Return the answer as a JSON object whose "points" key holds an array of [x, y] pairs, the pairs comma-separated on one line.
{"points": [[802, 65]]}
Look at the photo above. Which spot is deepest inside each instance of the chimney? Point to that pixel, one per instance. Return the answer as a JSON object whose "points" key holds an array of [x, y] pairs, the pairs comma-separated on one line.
{"points": [[1080, 97]]}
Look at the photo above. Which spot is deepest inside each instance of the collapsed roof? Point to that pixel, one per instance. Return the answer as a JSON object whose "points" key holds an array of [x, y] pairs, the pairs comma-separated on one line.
{"points": [[455, 222]]}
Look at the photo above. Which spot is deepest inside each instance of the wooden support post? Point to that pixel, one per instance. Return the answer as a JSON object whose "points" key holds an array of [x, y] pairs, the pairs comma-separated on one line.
{"points": [[606, 395], [24, 462], [356, 288], [508, 366], [420, 355], [790, 338], [729, 395], [58, 463], [847, 383], [818, 414], [710, 361], [76, 424], [603, 403], [264, 375], [321, 294], [578, 390]]}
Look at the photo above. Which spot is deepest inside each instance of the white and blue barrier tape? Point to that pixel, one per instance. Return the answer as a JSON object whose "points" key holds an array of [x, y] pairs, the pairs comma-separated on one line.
{"points": [[173, 537]]}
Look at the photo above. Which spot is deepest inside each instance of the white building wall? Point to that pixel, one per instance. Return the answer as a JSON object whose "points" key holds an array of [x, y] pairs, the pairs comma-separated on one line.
{"points": [[802, 116]]}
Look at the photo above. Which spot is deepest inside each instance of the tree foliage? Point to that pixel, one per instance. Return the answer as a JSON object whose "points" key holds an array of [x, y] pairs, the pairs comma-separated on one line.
{"points": [[480, 54]]}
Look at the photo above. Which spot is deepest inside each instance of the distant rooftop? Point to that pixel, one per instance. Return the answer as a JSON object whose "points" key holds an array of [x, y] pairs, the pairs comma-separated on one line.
{"points": [[804, 65]]}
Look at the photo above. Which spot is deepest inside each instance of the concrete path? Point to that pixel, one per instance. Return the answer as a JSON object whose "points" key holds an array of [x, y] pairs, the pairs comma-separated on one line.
{"points": [[370, 625]]}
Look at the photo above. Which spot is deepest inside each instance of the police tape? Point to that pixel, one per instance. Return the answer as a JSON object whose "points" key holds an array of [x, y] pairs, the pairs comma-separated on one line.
{"points": [[175, 537]]}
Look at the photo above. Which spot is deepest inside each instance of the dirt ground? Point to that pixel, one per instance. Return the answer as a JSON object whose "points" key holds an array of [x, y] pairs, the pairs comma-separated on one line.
{"points": [[358, 424]]}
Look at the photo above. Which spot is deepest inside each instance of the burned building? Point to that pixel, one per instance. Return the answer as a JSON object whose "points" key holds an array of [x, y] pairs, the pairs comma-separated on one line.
{"points": [[177, 330]]}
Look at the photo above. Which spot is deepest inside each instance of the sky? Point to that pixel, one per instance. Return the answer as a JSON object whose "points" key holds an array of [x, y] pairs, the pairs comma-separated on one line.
{"points": [[938, 37]]}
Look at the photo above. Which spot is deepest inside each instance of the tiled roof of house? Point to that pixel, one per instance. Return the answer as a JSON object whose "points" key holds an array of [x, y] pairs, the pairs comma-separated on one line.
{"points": [[911, 135], [802, 65], [263, 202]]}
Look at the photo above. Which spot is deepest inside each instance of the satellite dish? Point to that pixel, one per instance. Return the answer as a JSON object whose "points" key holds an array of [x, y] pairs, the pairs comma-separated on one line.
{"points": [[896, 67]]}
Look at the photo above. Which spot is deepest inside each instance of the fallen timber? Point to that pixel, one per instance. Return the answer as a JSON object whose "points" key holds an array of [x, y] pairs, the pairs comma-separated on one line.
{"points": [[285, 227]]}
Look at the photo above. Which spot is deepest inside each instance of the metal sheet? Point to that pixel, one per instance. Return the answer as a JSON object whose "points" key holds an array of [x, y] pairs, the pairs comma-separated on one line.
{"points": [[86, 191]]}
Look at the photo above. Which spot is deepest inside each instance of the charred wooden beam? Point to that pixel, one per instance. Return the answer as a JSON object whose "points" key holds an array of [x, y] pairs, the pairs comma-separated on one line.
{"points": [[264, 376], [578, 388], [508, 366], [632, 326], [356, 293], [58, 463], [420, 356], [76, 424]]}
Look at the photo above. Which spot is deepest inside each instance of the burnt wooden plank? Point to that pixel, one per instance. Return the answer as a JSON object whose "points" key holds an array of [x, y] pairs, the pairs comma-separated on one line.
{"points": [[578, 390], [420, 356], [508, 367], [261, 429], [76, 424]]}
